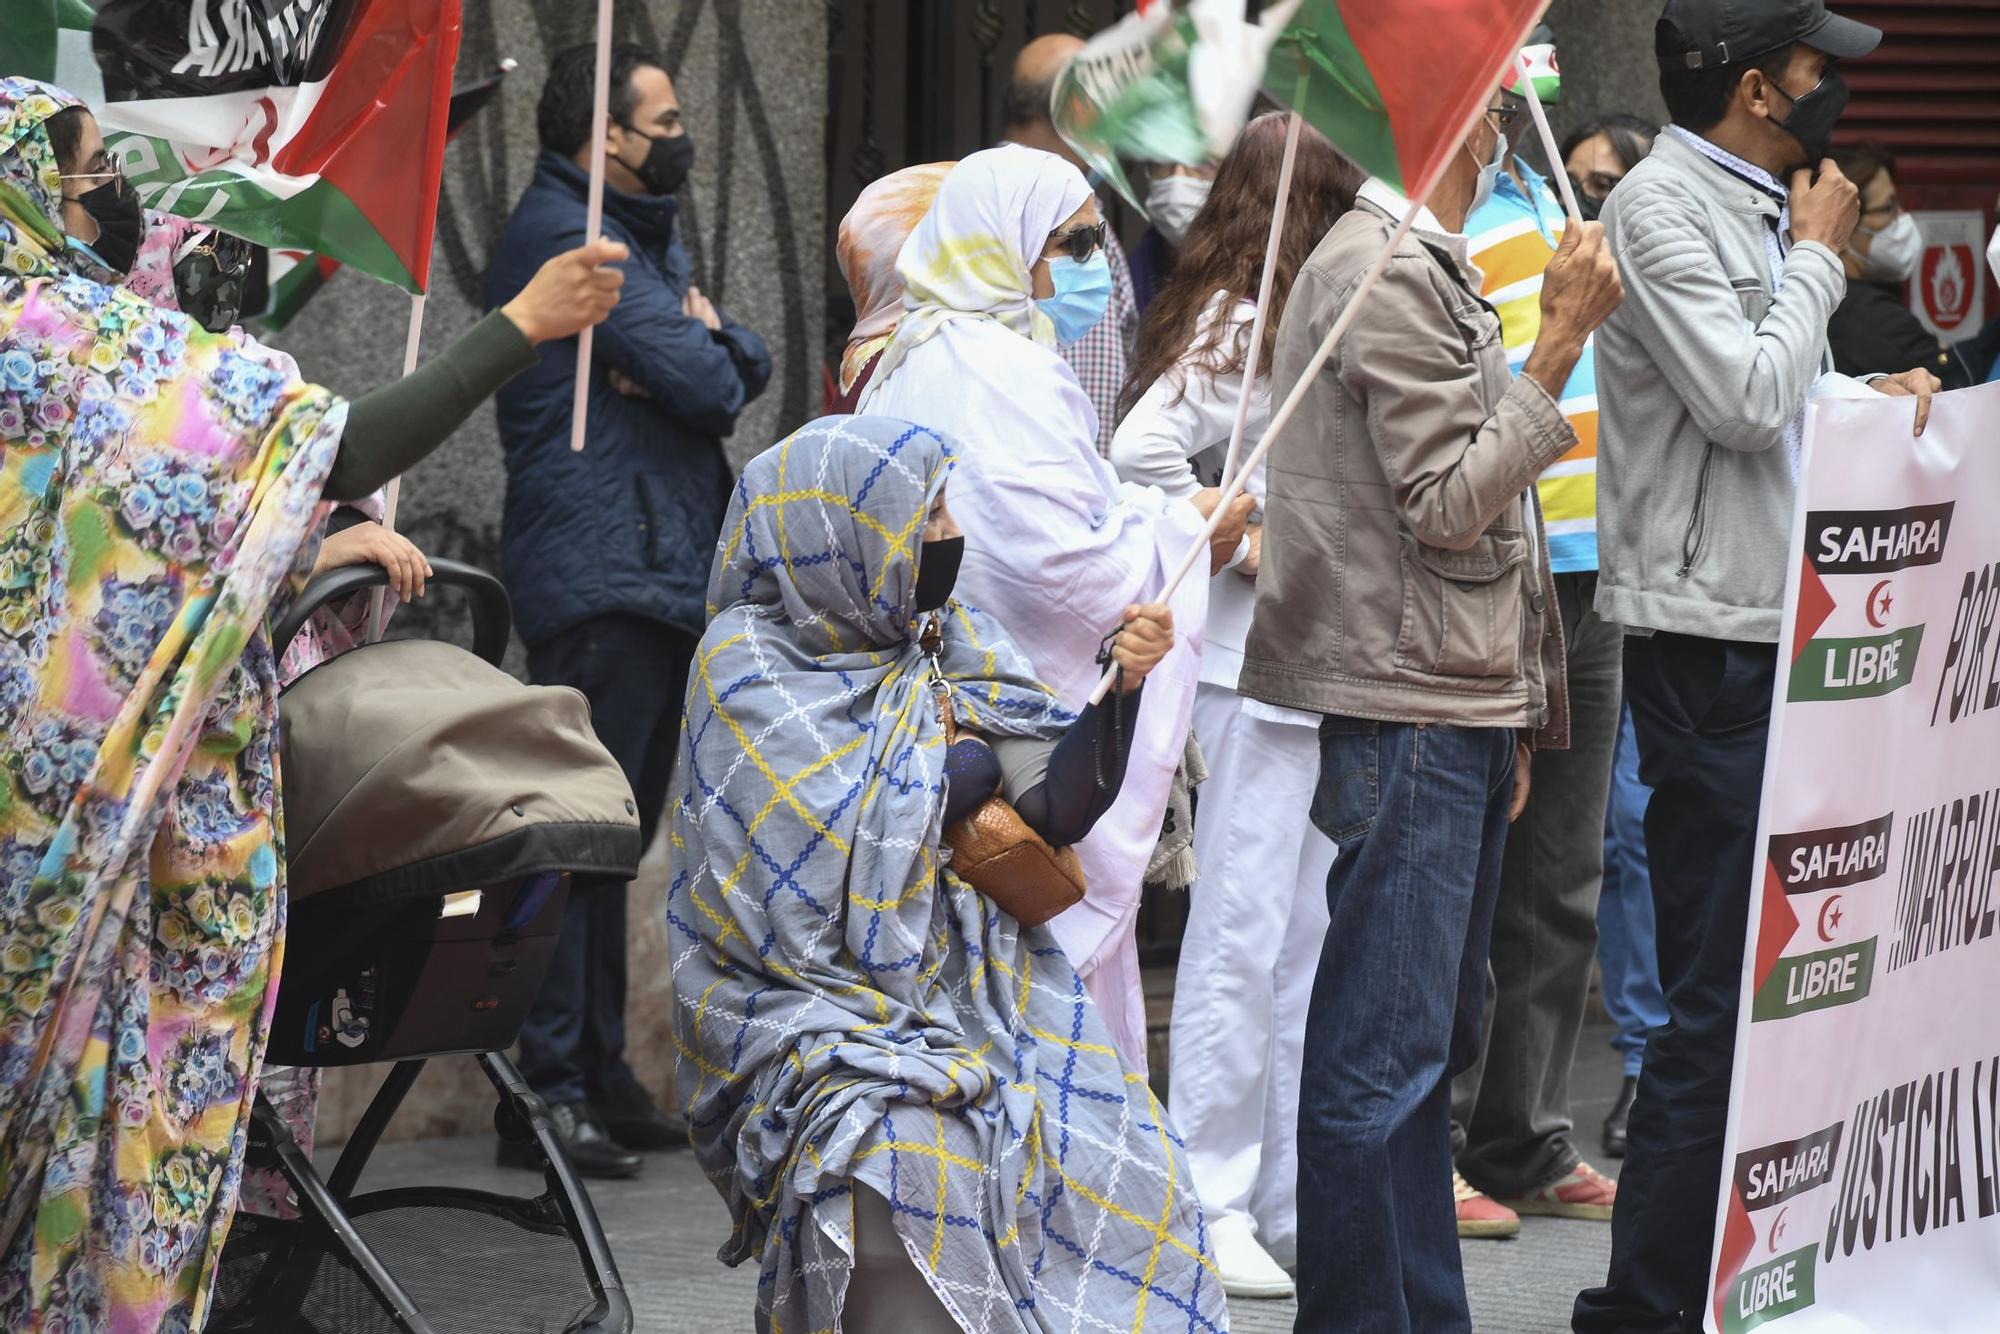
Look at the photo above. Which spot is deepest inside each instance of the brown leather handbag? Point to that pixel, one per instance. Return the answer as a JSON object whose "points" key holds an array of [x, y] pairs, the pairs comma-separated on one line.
{"points": [[995, 851]]}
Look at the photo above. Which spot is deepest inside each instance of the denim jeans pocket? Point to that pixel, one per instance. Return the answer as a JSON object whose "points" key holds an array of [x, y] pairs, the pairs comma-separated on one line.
{"points": [[1350, 777]]}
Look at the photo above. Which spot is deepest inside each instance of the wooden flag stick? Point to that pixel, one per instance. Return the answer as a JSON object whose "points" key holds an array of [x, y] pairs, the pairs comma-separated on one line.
{"points": [[594, 215], [1556, 167], [395, 489], [1234, 486], [1264, 286]]}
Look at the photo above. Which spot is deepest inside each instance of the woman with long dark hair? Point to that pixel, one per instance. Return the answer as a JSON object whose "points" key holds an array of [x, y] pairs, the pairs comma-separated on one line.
{"points": [[1259, 908]]}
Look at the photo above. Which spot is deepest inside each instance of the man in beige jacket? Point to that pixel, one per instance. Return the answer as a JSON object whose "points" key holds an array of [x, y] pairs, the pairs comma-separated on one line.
{"points": [[1406, 597]]}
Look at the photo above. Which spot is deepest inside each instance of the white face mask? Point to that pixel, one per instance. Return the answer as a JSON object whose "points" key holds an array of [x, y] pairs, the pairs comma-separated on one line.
{"points": [[1489, 174], [1172, 202], [1893, 252]]}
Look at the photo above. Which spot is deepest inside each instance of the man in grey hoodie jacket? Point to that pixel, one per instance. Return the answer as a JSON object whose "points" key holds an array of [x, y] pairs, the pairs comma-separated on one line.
{"points": [[1731, 274]]}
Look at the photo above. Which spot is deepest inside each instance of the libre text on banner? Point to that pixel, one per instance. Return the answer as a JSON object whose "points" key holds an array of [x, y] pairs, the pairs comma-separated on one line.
{"points": [[303, 125], [1861, 1173]]}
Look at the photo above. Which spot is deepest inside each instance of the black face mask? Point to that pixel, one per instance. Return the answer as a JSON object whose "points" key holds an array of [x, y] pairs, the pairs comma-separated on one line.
{"points": [[1588, 205], [937, 571], [114, 207], [208, 281], [666, 164], [1814, 114]]}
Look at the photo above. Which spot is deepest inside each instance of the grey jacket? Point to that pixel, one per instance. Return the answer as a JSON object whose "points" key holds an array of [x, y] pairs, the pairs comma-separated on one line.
{"points": [[1698, 372], [1405, 577]]}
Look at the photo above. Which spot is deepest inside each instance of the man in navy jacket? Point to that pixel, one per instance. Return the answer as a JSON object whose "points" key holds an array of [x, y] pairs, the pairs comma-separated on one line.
{"points": [[607, 551]]}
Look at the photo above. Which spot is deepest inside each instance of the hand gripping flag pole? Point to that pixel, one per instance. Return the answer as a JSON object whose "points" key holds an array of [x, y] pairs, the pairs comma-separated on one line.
{"points": [[1233, 483], [1234, 486]]}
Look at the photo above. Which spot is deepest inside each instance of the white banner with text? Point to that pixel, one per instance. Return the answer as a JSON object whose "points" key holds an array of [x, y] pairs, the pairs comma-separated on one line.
{"points": [[1861, 1182]]}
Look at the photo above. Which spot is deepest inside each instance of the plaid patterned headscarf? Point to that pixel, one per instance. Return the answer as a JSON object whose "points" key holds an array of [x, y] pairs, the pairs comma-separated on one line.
{"points": [[847, 1009]]}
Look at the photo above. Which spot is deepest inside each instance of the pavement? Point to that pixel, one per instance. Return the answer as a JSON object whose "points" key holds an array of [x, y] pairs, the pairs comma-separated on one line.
{"points": [[665, 1227]]}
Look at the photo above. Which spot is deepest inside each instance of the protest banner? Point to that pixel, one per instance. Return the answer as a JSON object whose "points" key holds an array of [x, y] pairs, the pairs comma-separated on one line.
{"points": [[1861, 1170], [303, 125]]}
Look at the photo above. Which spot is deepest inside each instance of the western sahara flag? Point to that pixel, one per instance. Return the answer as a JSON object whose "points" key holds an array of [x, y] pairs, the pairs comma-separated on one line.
{"points": [[1164, 85], [1394, 85], [304, 125], [293, 277]]}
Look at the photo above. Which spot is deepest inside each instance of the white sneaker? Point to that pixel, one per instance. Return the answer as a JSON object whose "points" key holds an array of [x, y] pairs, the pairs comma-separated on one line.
{"points": [[1247, 1269]]}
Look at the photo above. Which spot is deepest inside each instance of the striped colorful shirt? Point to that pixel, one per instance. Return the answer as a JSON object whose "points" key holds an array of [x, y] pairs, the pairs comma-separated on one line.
{"points": [[1511, 238]]}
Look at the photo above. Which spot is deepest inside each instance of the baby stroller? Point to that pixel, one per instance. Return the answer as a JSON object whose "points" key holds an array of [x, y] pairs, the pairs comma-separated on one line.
{"points": [[435, 809]]}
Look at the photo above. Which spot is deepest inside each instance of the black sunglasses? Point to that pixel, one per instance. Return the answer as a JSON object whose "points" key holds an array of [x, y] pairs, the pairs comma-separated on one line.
{"points": [[1081, 242]]}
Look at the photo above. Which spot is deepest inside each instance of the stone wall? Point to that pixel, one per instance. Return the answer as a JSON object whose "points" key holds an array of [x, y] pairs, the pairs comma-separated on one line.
{"points": [[1606, 51], [752, 79]]}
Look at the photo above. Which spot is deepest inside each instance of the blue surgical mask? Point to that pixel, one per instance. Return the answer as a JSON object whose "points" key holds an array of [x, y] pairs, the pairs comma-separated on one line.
{"points": [[1083, 290], [1489, 175]]}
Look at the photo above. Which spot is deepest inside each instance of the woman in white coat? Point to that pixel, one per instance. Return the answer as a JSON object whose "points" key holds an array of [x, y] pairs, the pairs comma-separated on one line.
{"points": [[1009, 257], [1258, 911]]}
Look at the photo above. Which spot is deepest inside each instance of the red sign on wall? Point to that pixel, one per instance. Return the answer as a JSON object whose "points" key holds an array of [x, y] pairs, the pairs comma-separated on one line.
{"points": [[1949, 290]]}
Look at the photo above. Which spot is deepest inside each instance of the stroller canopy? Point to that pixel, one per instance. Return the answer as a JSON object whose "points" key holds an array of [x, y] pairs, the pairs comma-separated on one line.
{"points": [[411, 768]]}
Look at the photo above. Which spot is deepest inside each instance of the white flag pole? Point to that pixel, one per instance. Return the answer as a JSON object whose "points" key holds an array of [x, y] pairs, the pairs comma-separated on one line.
{"points": [[1556, 167], [601, 115], [1234, 486], [395, 488], [1264, 286]]}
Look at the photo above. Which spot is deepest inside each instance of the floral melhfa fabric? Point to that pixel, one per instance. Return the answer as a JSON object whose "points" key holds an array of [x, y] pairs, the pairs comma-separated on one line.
{"points": [[847, 1010], [158, 489], [867, 246]]}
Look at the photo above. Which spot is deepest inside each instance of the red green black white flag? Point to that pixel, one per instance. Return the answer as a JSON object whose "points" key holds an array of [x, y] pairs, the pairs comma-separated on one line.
{"points": [[1394, 86], [303, 125]]}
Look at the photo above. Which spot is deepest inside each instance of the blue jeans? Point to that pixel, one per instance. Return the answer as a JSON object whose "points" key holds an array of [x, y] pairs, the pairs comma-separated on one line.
{"points": [[1420, 814], [1625, 947]]}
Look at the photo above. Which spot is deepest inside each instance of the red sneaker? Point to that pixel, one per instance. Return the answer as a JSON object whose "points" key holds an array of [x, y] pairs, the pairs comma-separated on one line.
{"points": [[1584, 1193], [1481, 1215]]}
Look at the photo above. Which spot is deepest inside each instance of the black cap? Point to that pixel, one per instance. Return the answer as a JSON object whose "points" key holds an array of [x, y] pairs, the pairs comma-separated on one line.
{"points": [[1708, 34]]}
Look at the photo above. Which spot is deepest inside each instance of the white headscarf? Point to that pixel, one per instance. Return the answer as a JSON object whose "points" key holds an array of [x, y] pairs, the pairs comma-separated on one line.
{"points": [[971, 255], [1055, 546]]}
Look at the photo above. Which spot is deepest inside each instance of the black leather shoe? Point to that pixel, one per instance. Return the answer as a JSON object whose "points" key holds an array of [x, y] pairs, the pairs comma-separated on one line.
{"points": [[590, 1150], [1621, 1112], [635, 1121]]}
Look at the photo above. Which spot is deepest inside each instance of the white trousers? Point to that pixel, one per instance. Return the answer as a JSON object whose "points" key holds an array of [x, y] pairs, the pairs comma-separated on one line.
{"points": [[1255, 924]]}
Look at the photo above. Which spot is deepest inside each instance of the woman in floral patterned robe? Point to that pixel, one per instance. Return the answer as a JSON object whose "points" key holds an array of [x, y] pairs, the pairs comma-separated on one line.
{"points": [[160, 492]]}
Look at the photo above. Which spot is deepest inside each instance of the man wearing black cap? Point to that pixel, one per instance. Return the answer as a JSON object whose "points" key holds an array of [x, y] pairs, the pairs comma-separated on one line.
{"points": [[1728, 238]]}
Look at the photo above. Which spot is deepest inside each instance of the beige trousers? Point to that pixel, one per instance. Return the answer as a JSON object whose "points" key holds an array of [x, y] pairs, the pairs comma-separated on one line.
{"points": [[886, 1292]]}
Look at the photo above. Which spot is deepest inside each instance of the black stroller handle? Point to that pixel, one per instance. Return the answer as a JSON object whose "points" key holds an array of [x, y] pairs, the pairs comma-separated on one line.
{"points": [[492, 613]]}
